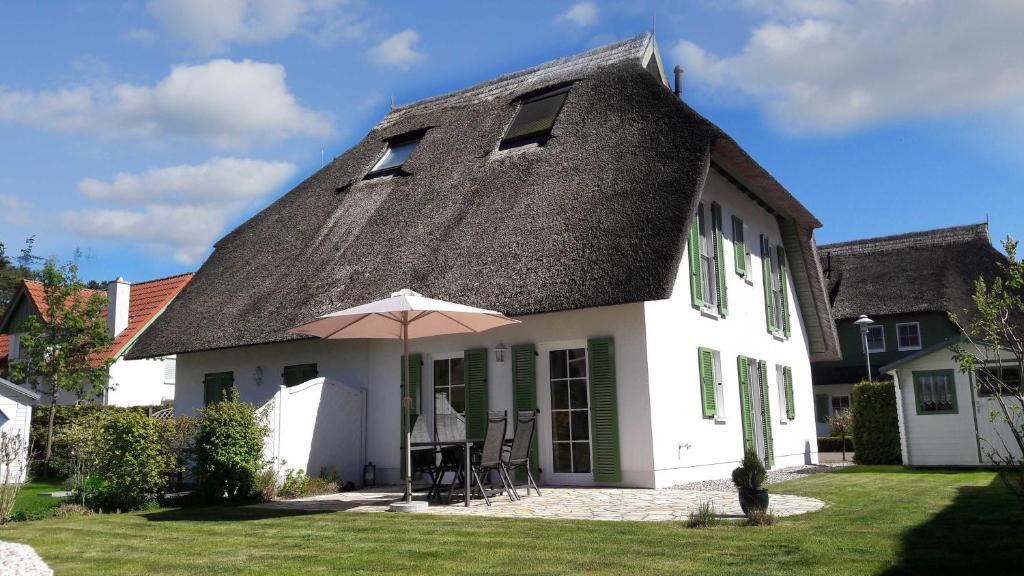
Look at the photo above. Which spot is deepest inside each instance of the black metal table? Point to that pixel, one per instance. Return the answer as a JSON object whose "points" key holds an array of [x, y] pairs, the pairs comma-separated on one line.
{"points": [[467, 446]]}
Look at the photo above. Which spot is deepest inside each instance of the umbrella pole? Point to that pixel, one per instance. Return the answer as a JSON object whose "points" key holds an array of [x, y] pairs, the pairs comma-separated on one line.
{"points": [[406, 397]]}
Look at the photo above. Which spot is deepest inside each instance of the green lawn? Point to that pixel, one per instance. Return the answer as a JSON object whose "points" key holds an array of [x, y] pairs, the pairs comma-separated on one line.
{"points": [[880, 520], [31, 504]]}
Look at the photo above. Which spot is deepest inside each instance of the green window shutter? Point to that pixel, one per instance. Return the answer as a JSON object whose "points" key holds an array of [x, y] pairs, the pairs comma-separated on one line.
{"points": [[706, 365], [784, 285], [475, 367], [821, 405], [746, 410], [766, 277], [604, 410], [696, 286], [766, 412], [739, 247], [416, 377], [787, 376], [524, 392], [298, 373], [216, 386], [720, 285]]}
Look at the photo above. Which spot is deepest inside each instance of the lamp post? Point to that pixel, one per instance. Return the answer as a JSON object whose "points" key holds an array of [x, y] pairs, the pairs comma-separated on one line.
{"points": [[864, 322]]}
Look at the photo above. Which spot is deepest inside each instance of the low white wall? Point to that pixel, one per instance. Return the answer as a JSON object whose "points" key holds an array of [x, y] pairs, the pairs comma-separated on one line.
{"points": [[19, 411]]}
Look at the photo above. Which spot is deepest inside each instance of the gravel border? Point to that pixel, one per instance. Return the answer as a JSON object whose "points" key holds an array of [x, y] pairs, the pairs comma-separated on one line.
{"points": [[774, 476], [21, 560]]}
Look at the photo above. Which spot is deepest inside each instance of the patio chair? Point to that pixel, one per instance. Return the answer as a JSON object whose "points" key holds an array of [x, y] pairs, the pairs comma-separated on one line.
{"points": [[518, 455], [490, 459]]}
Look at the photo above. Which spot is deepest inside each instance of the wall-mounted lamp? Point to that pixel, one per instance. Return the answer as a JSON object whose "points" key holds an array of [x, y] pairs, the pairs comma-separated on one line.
{"points": [[500, 351]]}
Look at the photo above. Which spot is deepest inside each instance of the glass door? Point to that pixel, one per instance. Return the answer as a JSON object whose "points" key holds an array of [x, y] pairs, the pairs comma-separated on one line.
{"points": [[569, 397]]}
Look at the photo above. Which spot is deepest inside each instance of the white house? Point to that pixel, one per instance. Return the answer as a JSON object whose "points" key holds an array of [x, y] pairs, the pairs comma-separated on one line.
{"points": [[945, 417], [131, 309], [668, 286], [16, 420]]}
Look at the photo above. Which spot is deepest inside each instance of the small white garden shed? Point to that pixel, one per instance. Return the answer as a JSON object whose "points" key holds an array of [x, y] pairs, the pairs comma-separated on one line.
{"points": [[16, 419], [944, 418]]}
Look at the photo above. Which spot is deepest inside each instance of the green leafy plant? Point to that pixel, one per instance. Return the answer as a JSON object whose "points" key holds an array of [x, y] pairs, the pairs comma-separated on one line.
{"points": [[266, 484], [750, 475], [13, 451], [841, 422], [834, 444], [297, 484], [703, 517], [133, 462], [229, 449], [876, 433], [759, 517]]}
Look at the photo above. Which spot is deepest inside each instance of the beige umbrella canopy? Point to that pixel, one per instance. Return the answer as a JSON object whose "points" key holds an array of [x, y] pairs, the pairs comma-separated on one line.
{"points": [[405, 315]]}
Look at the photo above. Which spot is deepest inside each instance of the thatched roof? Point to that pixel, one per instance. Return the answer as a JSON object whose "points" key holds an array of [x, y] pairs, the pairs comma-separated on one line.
{"points": [[930, 271], [595, 217]]}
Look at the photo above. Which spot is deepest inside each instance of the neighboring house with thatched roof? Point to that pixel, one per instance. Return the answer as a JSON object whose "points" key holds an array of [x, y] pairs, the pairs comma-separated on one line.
{"points": [[585, 199], [131, 309], [908, 284]]}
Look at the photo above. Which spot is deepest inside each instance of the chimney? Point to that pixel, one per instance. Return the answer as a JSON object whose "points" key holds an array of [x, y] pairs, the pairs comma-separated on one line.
{"points": [[679, 81], [118, 293]]}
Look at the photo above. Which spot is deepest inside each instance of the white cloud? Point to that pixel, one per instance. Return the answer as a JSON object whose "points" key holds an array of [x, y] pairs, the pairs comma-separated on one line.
{"points": [[397, 50], [13, 210], [223, 102], [582, 14], [213, 26], [835, 66], [180, 210], [141, 36]]}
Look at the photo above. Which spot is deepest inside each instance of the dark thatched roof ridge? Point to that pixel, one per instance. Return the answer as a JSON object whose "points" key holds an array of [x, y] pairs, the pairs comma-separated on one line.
{"points": [[596, 217], [929, 271]]}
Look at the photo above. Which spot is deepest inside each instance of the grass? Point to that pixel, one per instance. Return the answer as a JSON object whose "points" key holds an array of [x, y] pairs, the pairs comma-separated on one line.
{"points": [[31, 504], [879, 520]]}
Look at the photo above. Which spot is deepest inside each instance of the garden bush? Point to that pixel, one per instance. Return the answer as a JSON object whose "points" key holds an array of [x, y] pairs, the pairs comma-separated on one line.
{"points": [[229, 449], [63, 462], [132, 464], [834, 444], [876, 429]]}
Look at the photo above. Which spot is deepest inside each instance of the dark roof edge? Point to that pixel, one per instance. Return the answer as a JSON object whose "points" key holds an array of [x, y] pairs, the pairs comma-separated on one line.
{"points": [[935, 237], [22, 292]]}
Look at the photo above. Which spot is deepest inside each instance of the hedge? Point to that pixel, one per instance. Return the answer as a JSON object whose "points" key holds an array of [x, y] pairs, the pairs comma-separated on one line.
{"points": [[834, 444], [876, 431]]}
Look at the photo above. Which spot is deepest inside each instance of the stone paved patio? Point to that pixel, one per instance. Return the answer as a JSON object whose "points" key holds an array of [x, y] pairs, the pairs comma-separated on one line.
{"points": [[571, 503]]}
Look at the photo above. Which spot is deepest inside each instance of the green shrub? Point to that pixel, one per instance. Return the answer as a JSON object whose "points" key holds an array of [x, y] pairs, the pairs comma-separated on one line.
{"points": [[297, 485], [876, 430], [750, 475], [229, 449], [834, 444], [133, 462], [63, 463], [758, 517], [703, 516]]}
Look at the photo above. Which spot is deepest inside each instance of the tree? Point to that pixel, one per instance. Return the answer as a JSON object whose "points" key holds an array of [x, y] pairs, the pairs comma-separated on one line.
{"points": [[12, 272], [841, 422], [65, 350], [993, 340]]}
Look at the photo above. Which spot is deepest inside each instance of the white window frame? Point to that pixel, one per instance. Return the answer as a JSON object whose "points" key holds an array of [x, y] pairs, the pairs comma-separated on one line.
{"points": [[780, 392], [864, 339], [899, 345], [720, 412], [708, 259], [832, 397]]}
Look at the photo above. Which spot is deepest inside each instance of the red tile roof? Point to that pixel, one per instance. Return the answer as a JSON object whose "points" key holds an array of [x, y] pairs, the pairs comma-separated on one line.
{"points": [[145, 301], [4, 343]]}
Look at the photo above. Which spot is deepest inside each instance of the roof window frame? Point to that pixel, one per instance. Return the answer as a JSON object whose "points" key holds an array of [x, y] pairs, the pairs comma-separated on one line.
{"points": [[540, 137], [414, 138]]}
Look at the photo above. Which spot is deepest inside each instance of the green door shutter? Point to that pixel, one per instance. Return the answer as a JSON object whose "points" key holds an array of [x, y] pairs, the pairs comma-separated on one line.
{"points": [[766, 277], [696, 286], [746, 410], [720, 285], [766, 413], [706, 365], [475, 366], [604, 411], [416, 377], [739, 247], [524, 393], [821, 406], [787, 376], [784, 286]]}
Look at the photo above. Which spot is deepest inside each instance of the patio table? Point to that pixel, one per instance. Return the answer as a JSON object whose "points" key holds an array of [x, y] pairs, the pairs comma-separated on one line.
{"points": [[467, 446]]}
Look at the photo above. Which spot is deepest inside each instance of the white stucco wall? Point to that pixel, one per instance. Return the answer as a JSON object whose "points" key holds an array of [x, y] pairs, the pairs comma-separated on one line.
{"points": [[138, 383], [948, 439], [18, 409], [687, 446], [374, 365]]}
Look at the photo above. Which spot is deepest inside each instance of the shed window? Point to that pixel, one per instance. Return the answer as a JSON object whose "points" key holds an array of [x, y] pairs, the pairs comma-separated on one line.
{"points": [[998, 380], [908, 336], [298, 373], [3, 418], [397, 153], [535, 118], [935, 392]]}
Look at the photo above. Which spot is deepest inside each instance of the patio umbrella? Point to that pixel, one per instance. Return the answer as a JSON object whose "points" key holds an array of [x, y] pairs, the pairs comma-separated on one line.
{"points": [[404, 315]]}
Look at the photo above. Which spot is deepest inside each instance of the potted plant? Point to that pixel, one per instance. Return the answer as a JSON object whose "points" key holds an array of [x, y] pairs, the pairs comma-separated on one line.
{"points": [[749, 479]]}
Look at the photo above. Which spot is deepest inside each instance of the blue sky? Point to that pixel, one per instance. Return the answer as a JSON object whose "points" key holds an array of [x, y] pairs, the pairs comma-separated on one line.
{"points": [[141, 132]]}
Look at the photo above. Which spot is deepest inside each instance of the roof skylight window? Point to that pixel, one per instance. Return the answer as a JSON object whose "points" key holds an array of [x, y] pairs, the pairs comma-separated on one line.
{"points": [[535, 118], [396, 155]]}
